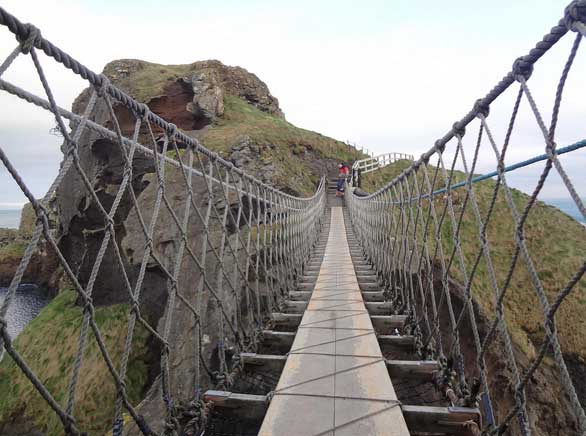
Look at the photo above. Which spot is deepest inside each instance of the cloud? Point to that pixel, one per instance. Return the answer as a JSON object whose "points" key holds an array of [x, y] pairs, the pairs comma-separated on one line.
{"points": [[391, 76]]}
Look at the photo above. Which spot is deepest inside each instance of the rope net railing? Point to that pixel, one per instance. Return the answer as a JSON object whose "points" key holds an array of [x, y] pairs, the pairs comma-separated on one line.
{"points": [[431, 232], [227, 247]]}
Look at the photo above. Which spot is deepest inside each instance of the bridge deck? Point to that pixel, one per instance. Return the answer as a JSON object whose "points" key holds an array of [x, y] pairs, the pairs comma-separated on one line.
{"points": [[335, 381]]}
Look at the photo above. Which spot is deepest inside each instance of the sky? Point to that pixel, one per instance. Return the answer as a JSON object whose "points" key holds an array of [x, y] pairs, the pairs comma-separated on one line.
{"points": [[389, 75]]}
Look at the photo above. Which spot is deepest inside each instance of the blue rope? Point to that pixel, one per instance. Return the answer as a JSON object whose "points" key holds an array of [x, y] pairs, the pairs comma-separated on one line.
{"points": [[563, 150]]}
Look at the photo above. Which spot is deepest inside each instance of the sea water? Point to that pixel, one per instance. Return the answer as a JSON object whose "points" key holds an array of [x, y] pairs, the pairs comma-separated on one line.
{"points": [[26, 304], [10, 218]]}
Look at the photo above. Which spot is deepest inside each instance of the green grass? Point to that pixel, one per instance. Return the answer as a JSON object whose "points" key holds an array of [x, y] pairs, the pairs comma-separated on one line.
{"points": [[277, 141], [555, 242], [287, 148], [12, 250], [146, 80], [49, 344]]}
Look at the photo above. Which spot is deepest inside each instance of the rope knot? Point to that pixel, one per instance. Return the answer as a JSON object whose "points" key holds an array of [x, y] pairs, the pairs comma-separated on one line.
{"points": [[32, 38], [481, 108], [88, 306], [574, 13], [459, 129], [142, 111], [171, 130], [135, 309], [522, 68], [439, 146], [103, 86]]}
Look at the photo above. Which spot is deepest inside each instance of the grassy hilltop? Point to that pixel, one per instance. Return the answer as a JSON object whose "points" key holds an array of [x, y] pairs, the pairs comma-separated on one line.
{"points": [[555, 242]]}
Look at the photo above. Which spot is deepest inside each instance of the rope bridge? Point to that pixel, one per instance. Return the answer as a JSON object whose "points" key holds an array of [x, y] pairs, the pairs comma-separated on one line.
{"points": [[253, 243]]}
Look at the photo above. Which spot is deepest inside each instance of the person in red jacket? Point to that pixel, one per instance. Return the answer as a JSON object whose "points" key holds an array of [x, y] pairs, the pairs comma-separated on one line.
{"points": [[343, 172]]}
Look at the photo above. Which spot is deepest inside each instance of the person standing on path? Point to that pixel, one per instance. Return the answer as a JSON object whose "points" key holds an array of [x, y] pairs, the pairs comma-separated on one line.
{"points": [[343, 172]]}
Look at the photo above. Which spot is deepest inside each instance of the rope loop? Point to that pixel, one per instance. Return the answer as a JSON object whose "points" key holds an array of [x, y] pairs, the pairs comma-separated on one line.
{"points": [[481, 108], [574, 13], [103, 86], [170, 130], [459, 129], [32, 38], [439, 146], [522, 68]]}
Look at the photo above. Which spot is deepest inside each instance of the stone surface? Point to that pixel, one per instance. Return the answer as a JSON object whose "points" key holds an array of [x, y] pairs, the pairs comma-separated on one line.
{"points": [[208, 97]]}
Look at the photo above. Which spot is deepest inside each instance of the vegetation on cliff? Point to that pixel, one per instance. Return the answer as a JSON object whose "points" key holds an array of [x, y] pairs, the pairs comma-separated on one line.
{"points": [[49, 344], [232, 112], [555, 242]]}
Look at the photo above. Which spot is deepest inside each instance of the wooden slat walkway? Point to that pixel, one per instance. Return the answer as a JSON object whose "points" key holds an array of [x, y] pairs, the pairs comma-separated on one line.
{"points": [[335, 380]]}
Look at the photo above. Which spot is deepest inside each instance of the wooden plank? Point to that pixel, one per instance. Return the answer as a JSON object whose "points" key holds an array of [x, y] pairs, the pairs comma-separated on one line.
{"points": [[384, 323], [372, 296], [367, 277], [401, 341], [292, 306], [305, 286], [311, 273], [424, 369], [273, 338], [379, 308], [272, 362], [238, 405], [287, 319], [458, 421], [369, 286], [300, 295]]}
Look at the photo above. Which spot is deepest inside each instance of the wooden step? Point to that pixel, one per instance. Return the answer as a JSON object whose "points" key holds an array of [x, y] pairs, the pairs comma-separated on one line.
{"points": [[457, 421], [424, 369], [311, 273], [361, 265], [305, 286], [272, 362], [279, 339], [297, 307], [373, 296], [300, 295], [289, 320], [378, 308], [384, 323], [366, 276], [369, 286], [238, 405], [399, 341]]}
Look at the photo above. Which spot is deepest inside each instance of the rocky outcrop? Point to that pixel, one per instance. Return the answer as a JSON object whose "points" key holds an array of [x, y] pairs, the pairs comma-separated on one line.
{"points": [[42, 270], [239, 82], [28, 220], [203, 86], [208, 97]]}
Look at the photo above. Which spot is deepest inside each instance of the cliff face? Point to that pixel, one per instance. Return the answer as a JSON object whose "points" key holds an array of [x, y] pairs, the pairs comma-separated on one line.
{"points": [[43, 267], [231, 112]]}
